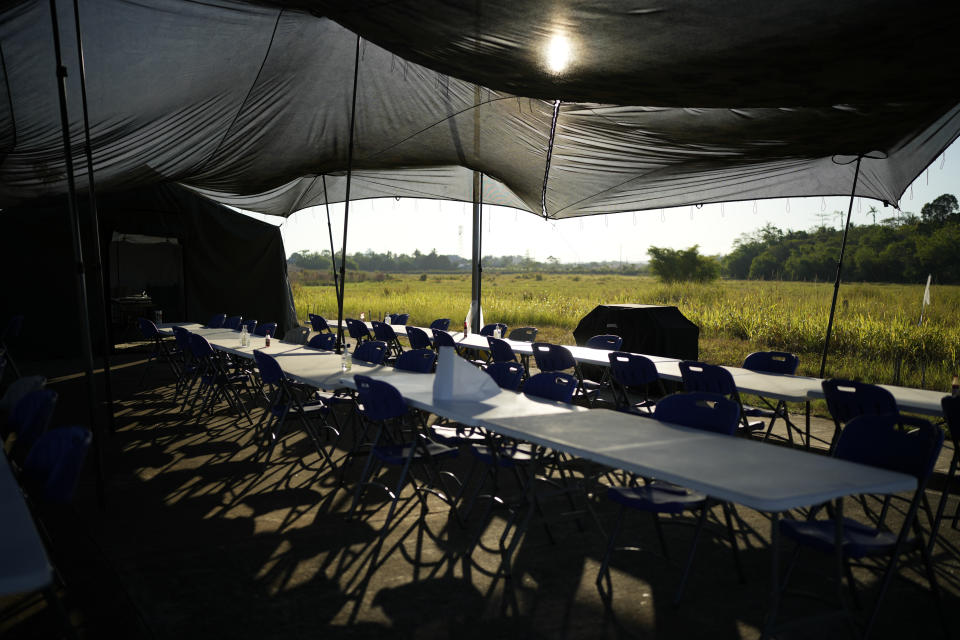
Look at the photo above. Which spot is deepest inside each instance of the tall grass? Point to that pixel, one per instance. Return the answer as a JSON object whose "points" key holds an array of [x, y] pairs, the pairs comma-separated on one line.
{"points": [[874, 330]]}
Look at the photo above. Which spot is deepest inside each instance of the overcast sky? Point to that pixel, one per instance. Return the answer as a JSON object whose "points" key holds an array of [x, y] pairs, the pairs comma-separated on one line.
{"points": [[402, 227]]}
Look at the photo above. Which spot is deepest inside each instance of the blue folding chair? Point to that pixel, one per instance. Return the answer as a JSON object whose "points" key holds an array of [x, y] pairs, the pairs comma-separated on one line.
{"points": [[284, 400], [251, 326], [488, 329], [399, 318], [951, 415], [319, 323], [29, 419], [297, 335], [358, 330], [780, 363], [382, 406], [877, 441], [523, 334], [590, 387], [444, 339], [325, 341], [500, 350], [233, 322], [848, 399], [385, 333], [416, 360], [632, 372], [52, 468], [440, 323], [418, 338], [216, 321], [264, 329], [214, 381], [371, 352], [555, 357], [710, 378], [708, 412], [161, 349], [507, 375]]}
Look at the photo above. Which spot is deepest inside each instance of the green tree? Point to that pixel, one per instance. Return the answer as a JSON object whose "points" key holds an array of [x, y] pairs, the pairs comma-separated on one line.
{"points": [[942, 210], [679, 265]]}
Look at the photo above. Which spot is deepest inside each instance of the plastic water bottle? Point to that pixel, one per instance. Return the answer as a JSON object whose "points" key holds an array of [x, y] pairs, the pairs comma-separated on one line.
{"points": [[466, 328], [244, 337], [387, 319], [346, 360], [497, 332], [361, 317], [266, 342]]}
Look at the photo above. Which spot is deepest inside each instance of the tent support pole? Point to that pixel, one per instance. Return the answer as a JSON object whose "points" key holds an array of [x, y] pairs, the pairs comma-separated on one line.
{"points": [[346, 204], [85, 341], [477, 271], [333, 253], [836, 284], [95, 228]]}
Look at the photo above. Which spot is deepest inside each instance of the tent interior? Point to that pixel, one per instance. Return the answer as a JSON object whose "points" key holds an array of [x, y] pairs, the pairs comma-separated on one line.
{"points": [[204, 258]]}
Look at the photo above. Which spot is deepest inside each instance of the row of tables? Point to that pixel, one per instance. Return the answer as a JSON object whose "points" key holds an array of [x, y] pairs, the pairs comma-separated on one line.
{"points": [[760, 476]]}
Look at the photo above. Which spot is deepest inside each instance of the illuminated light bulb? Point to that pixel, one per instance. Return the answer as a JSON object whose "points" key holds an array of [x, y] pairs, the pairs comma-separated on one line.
{"points": [[558, 53]]}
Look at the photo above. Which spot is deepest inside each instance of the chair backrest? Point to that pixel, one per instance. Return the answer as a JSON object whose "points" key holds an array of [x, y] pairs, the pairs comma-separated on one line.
{"points": [[357, 330], [551, 385], [507, 375], [297, 335], [147, 329], [440, 323], [326, 341], [199, 347], [880, 441], [383, 331], [552, 357], [772, 362], [251, 326], [264, 329], [847, 399], [418, 338], [700, 376], [632, 369], [607, 341], [700, 410], [399, 318], [318, 323], [233, 322], [182, 336], [372, 351], [500, 350], [416, 360], [216, 321], [951, 413], [443, 338], [379, 400], [52, 468], [523, 334], [31, 417], [488, 329], [270, 371]]}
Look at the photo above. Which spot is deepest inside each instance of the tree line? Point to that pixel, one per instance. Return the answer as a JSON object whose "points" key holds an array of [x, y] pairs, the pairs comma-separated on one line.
{"points": [[898, 249]]}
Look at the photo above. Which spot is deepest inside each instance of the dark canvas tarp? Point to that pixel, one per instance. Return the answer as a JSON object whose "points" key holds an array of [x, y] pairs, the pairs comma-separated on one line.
{"points": [[232, 263], [652, 329], [251, 102]]}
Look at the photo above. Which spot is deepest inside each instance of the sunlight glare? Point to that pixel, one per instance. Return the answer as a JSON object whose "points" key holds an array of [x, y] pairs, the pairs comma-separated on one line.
{"points": [[558, 53]]}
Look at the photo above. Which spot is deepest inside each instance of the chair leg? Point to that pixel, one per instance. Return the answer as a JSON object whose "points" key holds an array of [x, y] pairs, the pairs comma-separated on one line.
{"points": [[693, 550], [732, 537], [605, 563]]}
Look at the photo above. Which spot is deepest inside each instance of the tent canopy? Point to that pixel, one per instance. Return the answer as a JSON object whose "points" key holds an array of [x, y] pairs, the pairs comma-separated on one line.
{"points": [[250, 103]]}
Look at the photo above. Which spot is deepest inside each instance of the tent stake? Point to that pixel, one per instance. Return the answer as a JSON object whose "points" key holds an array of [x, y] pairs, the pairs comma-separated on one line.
{"points": [[85, 340], [346, 204], [836, 284], [95, 228]]}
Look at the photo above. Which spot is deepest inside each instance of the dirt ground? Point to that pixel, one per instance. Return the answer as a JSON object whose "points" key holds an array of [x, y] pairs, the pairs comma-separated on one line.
{"points": [[199, 535]]}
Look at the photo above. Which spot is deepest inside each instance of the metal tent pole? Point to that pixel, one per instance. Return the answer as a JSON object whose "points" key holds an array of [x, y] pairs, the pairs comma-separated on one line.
{"points": [[95, 226], [346, 205], [836, 284], [477, 271], [85, 340], [333, 253]]}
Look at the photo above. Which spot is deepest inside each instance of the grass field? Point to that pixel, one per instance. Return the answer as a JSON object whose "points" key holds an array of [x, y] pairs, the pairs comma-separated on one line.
{"points": [[875, 327]]}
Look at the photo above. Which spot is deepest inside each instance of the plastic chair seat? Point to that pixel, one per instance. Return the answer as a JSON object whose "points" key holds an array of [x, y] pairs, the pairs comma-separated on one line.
{"points": [[657, 497], [397, 454], [859, 540]]}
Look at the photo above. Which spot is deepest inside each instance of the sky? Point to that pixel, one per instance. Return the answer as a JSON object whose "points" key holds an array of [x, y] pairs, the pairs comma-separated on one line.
{"points": [[401, 226]]}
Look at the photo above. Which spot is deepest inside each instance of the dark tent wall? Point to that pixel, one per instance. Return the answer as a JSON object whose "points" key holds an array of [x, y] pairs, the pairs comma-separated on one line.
{"points": [[233, 264]]}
